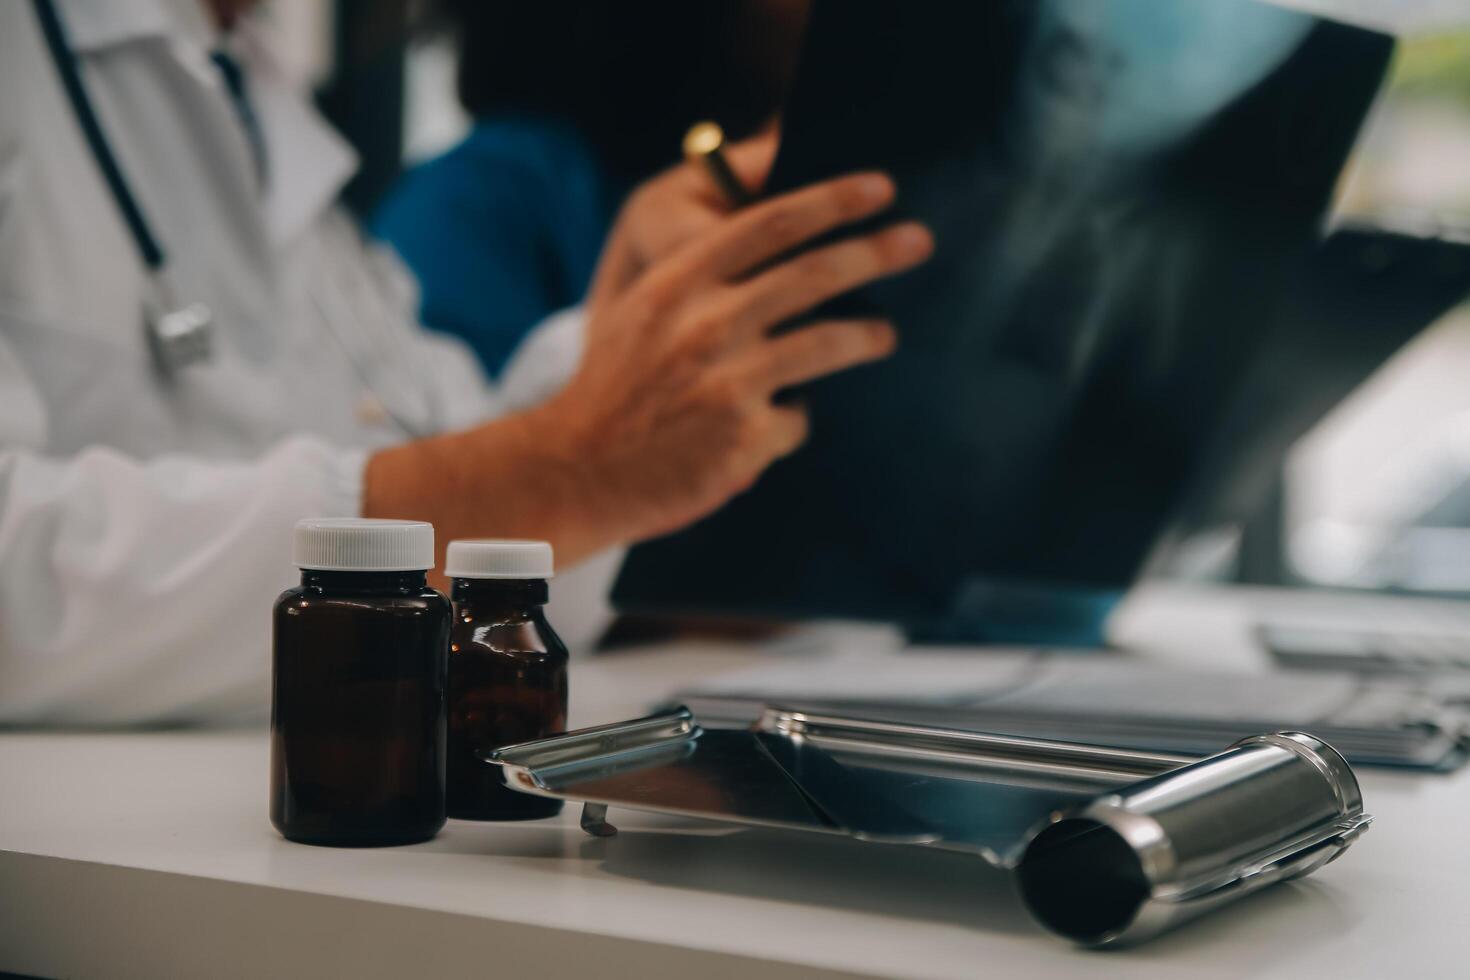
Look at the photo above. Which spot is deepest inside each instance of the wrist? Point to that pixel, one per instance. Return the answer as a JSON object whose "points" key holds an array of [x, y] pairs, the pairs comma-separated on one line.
{"points": [[522, 476], [560, 472]]}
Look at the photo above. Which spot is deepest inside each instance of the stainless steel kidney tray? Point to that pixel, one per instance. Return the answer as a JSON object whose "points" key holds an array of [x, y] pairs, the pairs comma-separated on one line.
{"points": [[1107, 845]]}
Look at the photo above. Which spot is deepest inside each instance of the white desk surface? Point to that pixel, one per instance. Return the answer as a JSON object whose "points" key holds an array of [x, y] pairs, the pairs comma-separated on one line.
{"points": [[151, 855]]}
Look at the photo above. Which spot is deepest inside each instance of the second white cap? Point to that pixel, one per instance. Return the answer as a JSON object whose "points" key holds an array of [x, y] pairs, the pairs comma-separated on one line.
{"points": [[498, 558]]}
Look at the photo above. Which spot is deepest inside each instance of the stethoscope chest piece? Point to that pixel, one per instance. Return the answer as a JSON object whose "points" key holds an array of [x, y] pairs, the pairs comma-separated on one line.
{"points": [[180, 337]]}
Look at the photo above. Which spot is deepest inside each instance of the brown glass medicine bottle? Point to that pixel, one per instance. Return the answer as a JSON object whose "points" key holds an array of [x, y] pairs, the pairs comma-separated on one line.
{"points": [[357, 717], [507, 672]]}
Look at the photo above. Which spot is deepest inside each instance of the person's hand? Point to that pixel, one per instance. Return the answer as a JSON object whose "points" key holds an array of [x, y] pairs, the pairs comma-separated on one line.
{"points": [[672, 411], [672, 208]]}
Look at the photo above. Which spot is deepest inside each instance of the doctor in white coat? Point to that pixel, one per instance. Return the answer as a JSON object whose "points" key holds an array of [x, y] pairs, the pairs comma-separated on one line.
{"points": [[195, 360]]}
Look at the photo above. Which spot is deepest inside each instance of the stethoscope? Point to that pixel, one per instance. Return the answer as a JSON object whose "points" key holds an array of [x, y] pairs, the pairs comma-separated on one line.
{"points": [[179, 333]]}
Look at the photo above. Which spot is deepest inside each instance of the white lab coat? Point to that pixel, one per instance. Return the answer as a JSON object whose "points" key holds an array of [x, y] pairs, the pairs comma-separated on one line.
{"points": [[145, 522]]}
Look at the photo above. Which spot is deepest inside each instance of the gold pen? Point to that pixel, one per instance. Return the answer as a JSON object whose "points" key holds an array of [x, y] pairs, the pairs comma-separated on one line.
{"points": [[705, 142]]}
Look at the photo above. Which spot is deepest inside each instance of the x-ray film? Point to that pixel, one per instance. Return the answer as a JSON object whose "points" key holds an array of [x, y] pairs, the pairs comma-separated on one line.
{"points": [[1123, 193]]}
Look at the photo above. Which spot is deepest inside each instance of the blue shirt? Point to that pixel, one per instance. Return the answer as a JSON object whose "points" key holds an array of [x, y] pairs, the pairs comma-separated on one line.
{"points": [[501, 230]]}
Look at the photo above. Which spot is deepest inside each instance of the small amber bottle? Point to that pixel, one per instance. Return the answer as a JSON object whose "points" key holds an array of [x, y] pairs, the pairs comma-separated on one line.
{"points": [[357, 718], [507, 672]]}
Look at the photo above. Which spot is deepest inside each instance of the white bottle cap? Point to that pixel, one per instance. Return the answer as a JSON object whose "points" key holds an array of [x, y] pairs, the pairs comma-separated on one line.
{"points": [[345, 544], [498, 559]]}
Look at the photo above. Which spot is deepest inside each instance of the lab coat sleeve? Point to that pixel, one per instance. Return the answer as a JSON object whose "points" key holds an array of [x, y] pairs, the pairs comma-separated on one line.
{"points": [[135, 592]]}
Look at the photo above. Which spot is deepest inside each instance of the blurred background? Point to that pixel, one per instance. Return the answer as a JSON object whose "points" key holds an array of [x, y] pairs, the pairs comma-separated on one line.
{"points": [[1376, 497]]}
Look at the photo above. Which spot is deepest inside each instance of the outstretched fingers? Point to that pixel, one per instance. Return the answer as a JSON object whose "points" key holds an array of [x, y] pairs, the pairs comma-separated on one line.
{"points": [[794, 287], [818, 350], [770, 229]]}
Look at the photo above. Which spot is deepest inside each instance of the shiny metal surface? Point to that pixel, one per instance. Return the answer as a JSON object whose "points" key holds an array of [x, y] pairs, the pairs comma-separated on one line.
{"points": [[971, 751], [1169, 848], [1108, 846], [847, 802], [667, 764], [981, 793]]}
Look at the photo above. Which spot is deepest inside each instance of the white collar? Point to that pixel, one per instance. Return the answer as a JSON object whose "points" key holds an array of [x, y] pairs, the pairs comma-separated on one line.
{"points": [[309, 161], [92, 25]]}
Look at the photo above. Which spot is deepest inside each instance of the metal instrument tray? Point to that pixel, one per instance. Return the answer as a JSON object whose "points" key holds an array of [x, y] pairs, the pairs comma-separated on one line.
{"points": [[1107, 845]]}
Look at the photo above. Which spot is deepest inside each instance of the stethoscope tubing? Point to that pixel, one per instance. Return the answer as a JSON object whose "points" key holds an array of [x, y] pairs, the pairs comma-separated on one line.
{"points": [[150, 250]]}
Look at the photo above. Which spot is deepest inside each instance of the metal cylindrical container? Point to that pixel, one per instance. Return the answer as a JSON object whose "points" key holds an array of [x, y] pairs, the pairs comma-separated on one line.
{"points": [[1135, 862]]}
